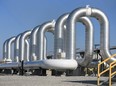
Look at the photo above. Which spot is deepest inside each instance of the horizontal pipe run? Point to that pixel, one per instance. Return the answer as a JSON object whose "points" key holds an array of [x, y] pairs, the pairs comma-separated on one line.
{"points": [[9, 65], [46, 64]]}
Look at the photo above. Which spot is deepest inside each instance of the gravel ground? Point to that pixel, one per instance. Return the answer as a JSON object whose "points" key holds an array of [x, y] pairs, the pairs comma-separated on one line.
{"points": [[15, 80]]}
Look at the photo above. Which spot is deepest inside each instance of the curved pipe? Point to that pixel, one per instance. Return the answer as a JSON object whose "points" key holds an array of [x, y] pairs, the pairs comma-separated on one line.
{"points": [[104, 36], [33, 44], [9, 48], [60, 38], [16, 48], [59, 35], [52, 63], [48, 26], [5, 50], [88, 42], [24, 36]]}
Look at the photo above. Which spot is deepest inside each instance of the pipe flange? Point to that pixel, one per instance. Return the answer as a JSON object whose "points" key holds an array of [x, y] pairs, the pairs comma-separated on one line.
{"points": [[89, 10]]}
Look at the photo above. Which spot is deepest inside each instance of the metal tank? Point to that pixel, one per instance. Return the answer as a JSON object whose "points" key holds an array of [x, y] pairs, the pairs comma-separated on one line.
{"points": [[104, 31], [9, 48], [22, 49], [60, 38]]}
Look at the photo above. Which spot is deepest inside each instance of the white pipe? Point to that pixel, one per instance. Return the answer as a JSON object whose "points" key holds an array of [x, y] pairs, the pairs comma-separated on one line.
{"points": [[33, 44], [9, 48], [27, 50], [45, 48], [104, 31], [48, 26], [16, 48], [52, 63], [5, 50], [24, 36]]}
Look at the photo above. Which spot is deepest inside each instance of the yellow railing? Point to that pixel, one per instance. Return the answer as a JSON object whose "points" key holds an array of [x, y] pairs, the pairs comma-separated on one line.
{"points": [[112, 65]]}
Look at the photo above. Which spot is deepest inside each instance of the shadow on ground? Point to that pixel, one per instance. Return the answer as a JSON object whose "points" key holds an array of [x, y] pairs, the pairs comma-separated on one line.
{"points": [[92, 82]]}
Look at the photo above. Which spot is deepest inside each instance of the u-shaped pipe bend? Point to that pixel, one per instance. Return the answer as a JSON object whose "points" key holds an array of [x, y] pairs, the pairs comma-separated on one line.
{"points": [[60, 43], [52, 63], [104, 36]]}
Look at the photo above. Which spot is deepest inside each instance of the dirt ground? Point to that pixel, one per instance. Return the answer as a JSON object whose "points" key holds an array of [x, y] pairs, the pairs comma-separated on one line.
{"points": [[15, 80]]}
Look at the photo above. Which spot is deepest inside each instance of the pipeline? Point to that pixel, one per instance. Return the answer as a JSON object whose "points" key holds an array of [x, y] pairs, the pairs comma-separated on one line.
{"points": [[104, 36], [65, 42], [48, 63], [52, 63], [59, 43], [27, 50], [9, 48], [23, 37], [16, 48], [48, 26], [5, 50], [60, 38], [33, 44]]}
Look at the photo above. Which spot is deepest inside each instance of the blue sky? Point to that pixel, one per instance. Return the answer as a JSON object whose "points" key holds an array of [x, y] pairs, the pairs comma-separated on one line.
{"points": [[17, 16]]}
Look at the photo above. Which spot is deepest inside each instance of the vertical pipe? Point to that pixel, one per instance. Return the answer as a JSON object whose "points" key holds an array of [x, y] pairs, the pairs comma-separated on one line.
{"points": [[24, 36], [71, 34], [27, 50], [5, 50], [104, 33], [16, 48], [88, 41], [45, 48], [48, 26], [9, 48], [59, 35], [33, 44]]}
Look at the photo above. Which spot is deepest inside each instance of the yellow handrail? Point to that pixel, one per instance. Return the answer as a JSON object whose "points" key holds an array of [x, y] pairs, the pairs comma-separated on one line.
{"points": [[110, 68], [112, 65]]}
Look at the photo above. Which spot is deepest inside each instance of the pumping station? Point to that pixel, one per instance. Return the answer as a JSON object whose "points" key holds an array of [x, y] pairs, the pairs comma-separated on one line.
{"points": [[29, 48]]}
